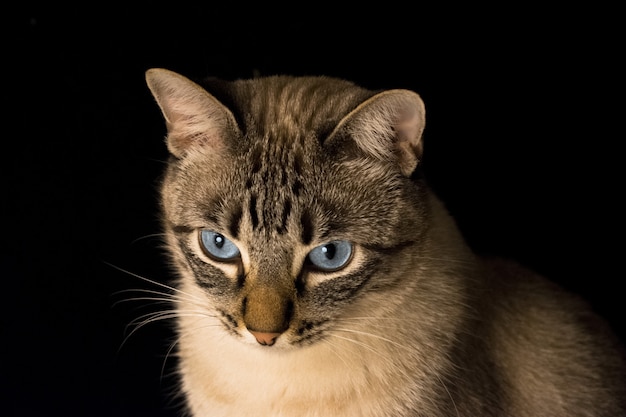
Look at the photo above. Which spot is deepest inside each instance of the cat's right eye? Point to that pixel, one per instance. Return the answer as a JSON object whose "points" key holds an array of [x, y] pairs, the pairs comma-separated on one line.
{"points": [[331, 256], [218, 247]]}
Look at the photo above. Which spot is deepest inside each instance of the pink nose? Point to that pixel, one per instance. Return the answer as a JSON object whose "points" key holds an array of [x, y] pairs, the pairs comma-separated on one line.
{"points": [[265, 339]]}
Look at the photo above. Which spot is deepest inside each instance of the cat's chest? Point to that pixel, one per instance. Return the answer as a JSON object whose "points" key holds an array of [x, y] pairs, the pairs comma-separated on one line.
{"points": [[231, 379]]}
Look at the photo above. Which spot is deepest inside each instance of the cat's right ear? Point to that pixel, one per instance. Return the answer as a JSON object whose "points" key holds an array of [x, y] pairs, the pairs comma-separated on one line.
{"points": [[386, 127], [194, 118]]}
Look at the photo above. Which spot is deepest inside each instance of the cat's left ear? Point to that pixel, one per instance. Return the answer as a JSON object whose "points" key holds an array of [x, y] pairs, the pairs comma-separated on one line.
{"points": [[387, 127], [194, 117]]}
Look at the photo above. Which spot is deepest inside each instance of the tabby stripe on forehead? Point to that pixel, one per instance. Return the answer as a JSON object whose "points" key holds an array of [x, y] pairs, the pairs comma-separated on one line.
{"points": [[282, 228], [295, 187], [254, 217], [235, 222], [307, 228]]}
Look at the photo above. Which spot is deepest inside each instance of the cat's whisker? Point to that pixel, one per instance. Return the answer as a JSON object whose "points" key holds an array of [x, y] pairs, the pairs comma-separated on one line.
{"points": [[375, 321], [361, 344], [160, 161], [335, 350], [158, 296], [445, 387], [158, 284], [150, 296], [375, 336], [146, 319], [165, 315], [140, 322], [152, 235], [168, 354], [151, 317]]}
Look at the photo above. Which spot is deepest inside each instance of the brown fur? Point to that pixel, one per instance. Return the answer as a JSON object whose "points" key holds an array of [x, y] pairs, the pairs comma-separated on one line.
{"points": [[411, 324]]}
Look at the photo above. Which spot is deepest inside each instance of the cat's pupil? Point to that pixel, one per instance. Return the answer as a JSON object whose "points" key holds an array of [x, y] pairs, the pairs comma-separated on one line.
{"points": [[329, 251], [219, 241]]}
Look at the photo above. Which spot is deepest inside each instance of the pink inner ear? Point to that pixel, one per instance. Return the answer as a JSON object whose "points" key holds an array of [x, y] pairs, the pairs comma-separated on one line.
{"points": [[194, 117], [409, 126], [191, 131], [387, 127], [409, 133]]}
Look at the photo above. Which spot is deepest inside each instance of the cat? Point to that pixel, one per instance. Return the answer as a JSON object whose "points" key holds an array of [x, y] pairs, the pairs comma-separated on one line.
{"points": [[319, 275]]}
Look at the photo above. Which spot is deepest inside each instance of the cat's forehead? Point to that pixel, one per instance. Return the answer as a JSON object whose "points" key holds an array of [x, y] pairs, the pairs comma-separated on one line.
{"points": [[284, 107]]}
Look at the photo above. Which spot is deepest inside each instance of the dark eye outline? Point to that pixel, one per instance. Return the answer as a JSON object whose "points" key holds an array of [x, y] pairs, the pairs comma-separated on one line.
{"points": [[217, 247], [342, 252]]}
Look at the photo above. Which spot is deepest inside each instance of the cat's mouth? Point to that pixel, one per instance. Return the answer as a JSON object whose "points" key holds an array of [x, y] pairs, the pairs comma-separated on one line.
{"points": [[303, 333]]}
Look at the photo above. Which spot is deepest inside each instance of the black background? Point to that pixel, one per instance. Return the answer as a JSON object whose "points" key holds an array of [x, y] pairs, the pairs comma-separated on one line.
{"points": [[521, 143]]}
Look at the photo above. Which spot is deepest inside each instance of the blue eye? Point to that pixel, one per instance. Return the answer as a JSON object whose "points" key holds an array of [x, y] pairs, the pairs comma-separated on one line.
{"points": [[217, 246], [331, 256]]}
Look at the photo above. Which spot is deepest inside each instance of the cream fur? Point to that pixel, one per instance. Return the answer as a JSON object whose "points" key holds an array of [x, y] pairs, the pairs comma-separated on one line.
{"points": [[415, 325]]}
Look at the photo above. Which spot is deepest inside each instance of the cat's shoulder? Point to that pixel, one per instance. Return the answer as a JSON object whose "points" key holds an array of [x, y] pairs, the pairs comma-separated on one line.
{"points": [[538, 303], [508, 274]]}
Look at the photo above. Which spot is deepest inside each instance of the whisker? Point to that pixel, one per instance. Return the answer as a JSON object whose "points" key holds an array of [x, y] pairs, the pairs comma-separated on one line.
{"points": [[142, 321], [359, 343], [333, 348], [159, 296], [374, 321], [151, 317], [147, 237], [393, 342], [170, 349], [165, 315], [158, 284], [447, 391], [160, 161], [130, 290], [163, 298], [183, 313]]}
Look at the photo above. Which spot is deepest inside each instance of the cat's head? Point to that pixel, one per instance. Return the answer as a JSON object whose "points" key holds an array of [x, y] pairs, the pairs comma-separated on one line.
{"points": [[288, 200]]}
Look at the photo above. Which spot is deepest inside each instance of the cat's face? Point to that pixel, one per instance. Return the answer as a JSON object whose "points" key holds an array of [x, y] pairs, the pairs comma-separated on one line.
{"points": [[275, 215]]}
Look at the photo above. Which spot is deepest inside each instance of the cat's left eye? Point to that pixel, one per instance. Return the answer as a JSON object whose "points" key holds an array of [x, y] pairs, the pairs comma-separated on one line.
{"points": [[331, 256], [218, 247]]}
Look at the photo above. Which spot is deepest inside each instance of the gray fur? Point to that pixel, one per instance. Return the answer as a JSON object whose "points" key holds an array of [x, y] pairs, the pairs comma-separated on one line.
{"points": [[414, 325]]}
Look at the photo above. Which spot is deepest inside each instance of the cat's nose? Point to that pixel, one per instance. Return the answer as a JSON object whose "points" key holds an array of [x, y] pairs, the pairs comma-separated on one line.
{"points": [[266, 313], [265, 338]]}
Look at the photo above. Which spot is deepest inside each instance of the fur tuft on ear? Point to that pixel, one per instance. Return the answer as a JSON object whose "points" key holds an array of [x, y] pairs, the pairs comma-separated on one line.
{"points": [[387, 127], [193, 116]]}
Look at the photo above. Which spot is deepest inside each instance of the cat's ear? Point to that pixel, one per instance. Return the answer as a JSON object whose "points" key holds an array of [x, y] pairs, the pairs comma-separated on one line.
{"points": [[193, 116], [387, 127]]}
